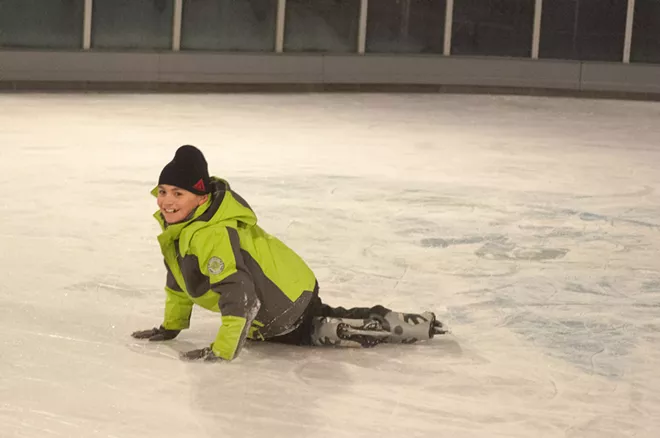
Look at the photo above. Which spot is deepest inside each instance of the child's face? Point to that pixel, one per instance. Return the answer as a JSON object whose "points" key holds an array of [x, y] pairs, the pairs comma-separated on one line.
{"points": [[176, 204]]}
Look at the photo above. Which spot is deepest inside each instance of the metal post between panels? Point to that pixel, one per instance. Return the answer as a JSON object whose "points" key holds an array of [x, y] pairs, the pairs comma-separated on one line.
{"points": [[176, 25], [87, 25], [627, 42], [362, 30], [449, 22], [536, 35], [279, 26]]}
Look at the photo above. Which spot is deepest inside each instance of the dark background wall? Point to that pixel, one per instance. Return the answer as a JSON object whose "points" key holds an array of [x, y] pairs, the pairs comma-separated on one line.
{"points": [[482, 43]]}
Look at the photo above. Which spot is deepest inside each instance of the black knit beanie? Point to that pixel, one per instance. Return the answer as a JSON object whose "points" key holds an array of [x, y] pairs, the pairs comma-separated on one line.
{"points": [[188, 170]]}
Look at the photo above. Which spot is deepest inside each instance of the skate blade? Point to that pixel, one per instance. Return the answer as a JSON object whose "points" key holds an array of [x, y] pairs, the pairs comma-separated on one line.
{"points": [[441, 329], [371, 333]]}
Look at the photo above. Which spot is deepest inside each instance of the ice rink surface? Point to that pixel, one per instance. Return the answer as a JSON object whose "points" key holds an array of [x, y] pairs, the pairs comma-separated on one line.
{"points": [[530, 225]]}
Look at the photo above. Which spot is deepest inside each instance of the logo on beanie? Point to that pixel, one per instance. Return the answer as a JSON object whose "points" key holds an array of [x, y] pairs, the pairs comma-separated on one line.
{"points": [[200, 186], [215, 266]]}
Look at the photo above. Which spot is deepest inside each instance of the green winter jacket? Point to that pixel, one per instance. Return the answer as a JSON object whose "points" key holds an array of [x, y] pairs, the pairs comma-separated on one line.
{"points": [[221, 260]]}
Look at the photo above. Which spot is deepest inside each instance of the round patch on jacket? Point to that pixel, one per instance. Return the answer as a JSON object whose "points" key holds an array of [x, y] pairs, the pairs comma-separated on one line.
{"points": [[215, 266]]}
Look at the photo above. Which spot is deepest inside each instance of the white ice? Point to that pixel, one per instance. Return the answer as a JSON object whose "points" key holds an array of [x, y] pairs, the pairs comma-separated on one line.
{"points": [[530, 225]]}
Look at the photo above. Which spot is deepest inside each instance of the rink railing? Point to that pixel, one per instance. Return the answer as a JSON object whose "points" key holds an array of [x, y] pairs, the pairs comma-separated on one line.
{"points": [[176, 69], [362, 30]]}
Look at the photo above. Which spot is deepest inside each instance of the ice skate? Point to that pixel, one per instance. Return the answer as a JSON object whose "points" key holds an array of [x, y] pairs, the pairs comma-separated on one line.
{"points": [[408, 328], [340, 332]]}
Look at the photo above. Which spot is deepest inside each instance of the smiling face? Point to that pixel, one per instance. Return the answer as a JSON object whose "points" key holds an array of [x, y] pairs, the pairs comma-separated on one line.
{"points": [[176, 204]]}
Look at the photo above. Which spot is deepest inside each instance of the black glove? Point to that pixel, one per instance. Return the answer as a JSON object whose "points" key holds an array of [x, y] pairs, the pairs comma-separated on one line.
{"points": [[156, 334], [205, 354]]}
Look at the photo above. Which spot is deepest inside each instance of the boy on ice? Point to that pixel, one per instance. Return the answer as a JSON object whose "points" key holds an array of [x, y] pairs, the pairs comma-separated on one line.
{"points": [[217, 257]]}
